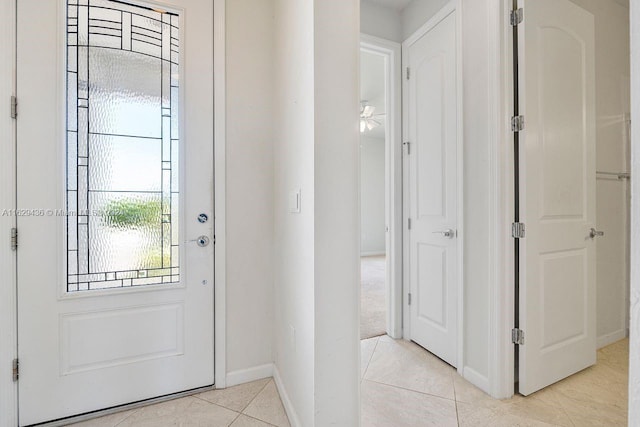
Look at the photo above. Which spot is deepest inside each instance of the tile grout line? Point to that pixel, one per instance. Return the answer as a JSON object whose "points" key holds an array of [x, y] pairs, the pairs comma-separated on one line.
{"points": [[412, 391], [258, 419], [375, 347], [455, 399], [257, 394], [126, 418], [235, 419]]}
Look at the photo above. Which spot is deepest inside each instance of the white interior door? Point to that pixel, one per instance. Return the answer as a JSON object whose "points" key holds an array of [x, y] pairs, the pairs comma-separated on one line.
{"points": [[115, 154], [557, 260], [431, 164]]}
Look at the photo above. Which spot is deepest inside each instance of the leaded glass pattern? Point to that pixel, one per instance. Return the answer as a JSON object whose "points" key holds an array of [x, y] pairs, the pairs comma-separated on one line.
{"points": [[122, 145]]}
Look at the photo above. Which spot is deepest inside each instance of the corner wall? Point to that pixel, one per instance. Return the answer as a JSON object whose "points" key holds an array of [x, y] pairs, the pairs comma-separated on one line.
{"points": [[337, 220], [316, 106], [294, 233]]}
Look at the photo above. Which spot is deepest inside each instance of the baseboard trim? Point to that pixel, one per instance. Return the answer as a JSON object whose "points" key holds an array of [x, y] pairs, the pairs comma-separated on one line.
{"points": [[255, 373], [476, 379], [294, 420], [607, 339]]}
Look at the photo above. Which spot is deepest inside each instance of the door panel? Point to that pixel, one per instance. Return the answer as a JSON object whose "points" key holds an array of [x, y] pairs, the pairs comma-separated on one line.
{"points": [[431, 102], [557, 282], [115, 165]]}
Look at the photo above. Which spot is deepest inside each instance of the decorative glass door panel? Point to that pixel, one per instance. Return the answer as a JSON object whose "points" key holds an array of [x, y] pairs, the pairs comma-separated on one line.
{"points": [[123, 145], [116, 297]]}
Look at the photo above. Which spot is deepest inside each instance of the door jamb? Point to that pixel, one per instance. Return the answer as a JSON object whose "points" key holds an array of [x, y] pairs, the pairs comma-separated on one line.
{"points": [[502, 292], [220, 196], [8, 289], [391, 51], [453, 6]]}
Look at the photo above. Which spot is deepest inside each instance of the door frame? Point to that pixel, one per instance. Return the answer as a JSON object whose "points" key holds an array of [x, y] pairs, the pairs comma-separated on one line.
{"points": [[453, 6], [502, 203], [8, 279], [391, 52]]}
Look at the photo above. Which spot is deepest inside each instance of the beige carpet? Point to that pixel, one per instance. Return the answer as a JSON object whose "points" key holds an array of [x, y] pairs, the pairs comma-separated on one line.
{"points": [[373, 315]]}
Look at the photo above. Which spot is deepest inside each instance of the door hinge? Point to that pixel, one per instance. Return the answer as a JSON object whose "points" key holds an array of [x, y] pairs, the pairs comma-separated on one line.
{"points": [[517, 230], [517, 123], [409, 223], [14, 239], [517, 336], [409, 299], [14, 107], [408, 145], [16, 370], [516, 17], [408, 73]]}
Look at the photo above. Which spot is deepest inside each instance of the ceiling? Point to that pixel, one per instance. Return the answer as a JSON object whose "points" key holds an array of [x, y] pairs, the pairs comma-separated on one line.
{"points": [[393, 4], [372, 88], [624, 3]]}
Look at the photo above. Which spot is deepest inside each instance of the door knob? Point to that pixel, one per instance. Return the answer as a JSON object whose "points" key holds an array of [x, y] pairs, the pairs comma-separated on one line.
{"points": [[595, 233], [202, 241], [446, 233]]}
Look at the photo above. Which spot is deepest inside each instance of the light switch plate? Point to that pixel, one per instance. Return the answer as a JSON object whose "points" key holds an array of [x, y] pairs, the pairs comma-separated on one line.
{"points": [[294, 201]]}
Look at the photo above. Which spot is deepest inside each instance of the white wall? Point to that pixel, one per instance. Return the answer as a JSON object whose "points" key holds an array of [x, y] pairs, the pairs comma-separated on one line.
{"points": [[250, 172], [337, 221], [478, 188], [317, 250], [391, 24], [612, 107], [380, 21], [634, 346], [417, 13], [372, 196], [294, 233]]}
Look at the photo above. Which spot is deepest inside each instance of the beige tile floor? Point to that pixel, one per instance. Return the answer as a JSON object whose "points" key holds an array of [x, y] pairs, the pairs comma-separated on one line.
{"points": [[256, 404], [397, 391], [405, 386]]}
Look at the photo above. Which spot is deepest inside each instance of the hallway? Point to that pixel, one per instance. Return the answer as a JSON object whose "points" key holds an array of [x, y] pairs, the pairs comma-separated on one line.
{"points": [[398, 391]]}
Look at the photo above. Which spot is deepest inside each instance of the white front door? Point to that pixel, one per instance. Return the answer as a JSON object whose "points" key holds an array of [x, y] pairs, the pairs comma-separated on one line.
{"points": [[431, 165], [557, 258], [115, 154]]}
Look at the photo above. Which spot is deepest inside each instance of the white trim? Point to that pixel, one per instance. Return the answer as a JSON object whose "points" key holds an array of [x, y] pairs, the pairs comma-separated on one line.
{"points": [[610, 338], [391, 51], [294, 419], [460, 181], [477, 379], [634, 344], [446, 10], [8, 314], [255, 373], [502, 304], [454, 6], [373, 253], [220, 185]]}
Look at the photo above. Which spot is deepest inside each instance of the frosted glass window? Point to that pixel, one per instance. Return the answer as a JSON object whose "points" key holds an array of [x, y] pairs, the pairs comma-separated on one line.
{"points": [[123, 144]]}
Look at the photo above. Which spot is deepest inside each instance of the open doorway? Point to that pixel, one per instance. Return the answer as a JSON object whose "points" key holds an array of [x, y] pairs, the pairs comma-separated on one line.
{"points": [[380, 188], [373, 247]]}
